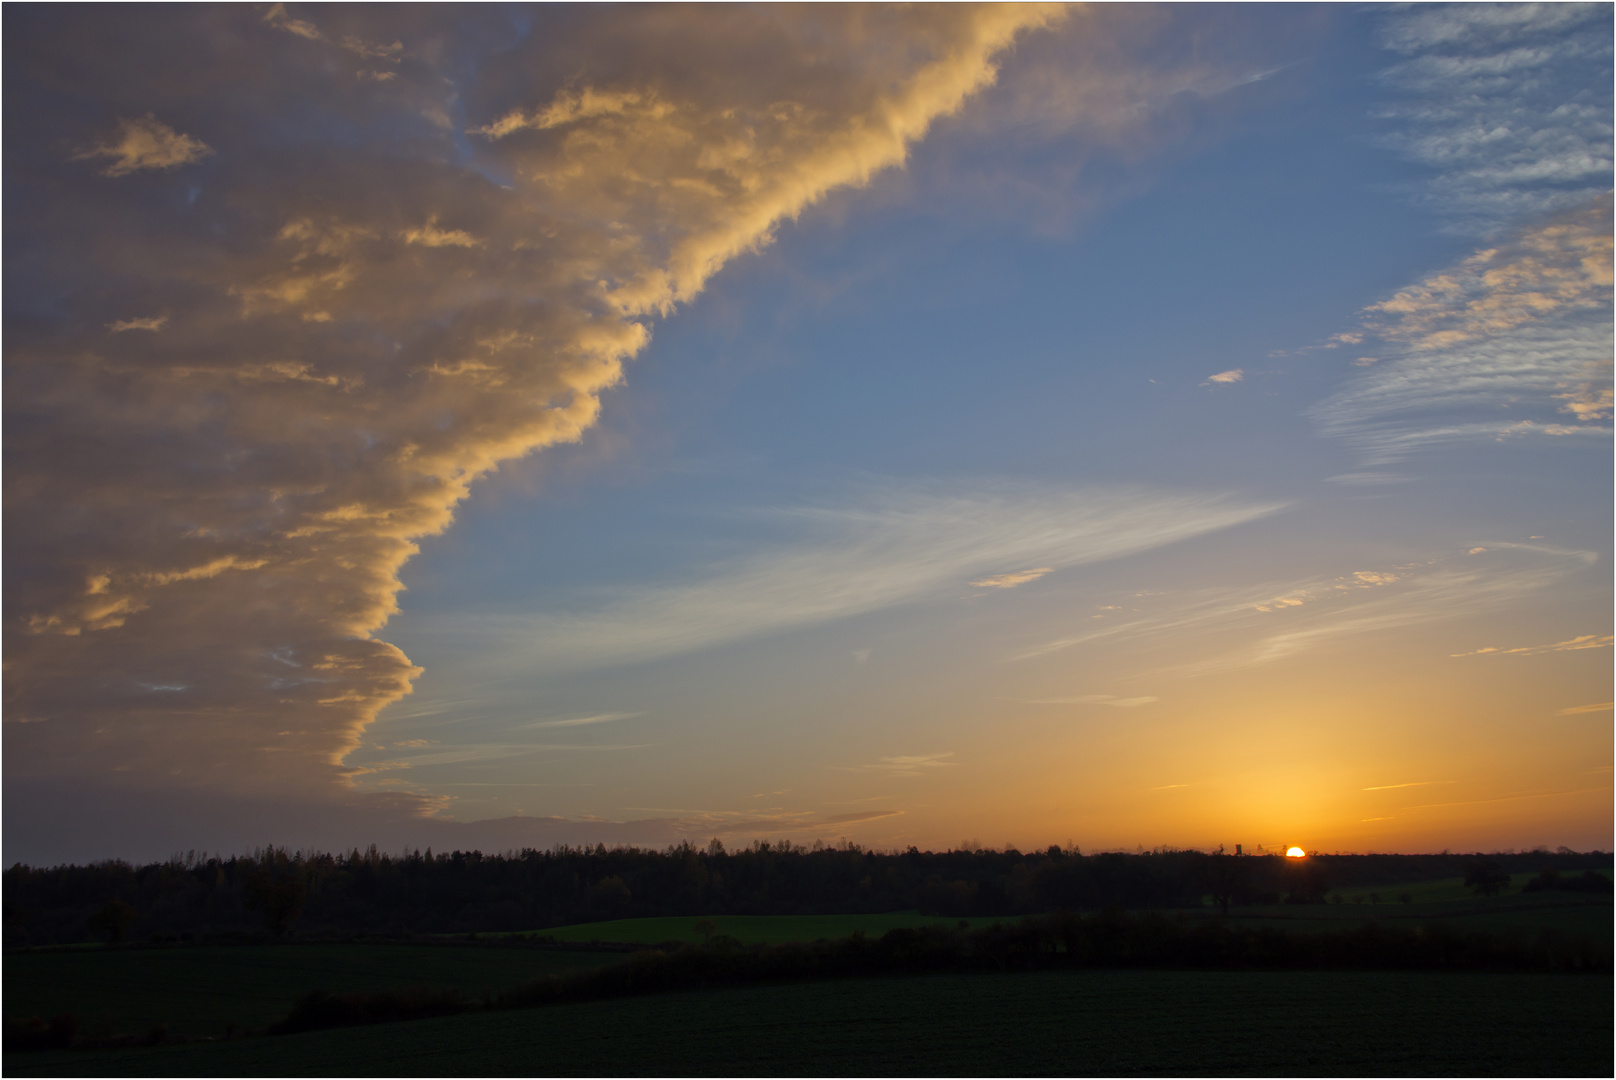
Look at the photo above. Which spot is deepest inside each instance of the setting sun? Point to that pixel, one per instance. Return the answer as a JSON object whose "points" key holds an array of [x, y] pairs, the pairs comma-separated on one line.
{"points": [[1295, 853]]}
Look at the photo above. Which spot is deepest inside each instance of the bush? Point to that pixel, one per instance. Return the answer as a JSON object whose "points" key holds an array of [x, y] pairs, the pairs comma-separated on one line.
{"points": [[33, 1033], [1590, 881], [319, 1009], [1486, 877]]}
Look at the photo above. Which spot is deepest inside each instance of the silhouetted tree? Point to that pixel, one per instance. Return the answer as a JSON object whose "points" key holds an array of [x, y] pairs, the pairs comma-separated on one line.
{"points": [[114, 918], [1486, 877], [1591, 881], [280, 899], [612, 895], [1223, 876], [369, 891]]}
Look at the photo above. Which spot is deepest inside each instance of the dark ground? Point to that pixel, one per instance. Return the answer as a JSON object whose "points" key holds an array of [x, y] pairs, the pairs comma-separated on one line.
{"points": [[1043, 1023]]}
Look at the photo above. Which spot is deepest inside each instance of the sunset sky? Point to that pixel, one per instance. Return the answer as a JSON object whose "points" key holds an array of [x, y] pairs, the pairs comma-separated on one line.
{"points": [[503, 426]]}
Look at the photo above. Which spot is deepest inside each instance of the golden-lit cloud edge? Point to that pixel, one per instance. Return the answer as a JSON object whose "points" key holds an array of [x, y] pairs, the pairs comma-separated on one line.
{"points": [[321, 392]]}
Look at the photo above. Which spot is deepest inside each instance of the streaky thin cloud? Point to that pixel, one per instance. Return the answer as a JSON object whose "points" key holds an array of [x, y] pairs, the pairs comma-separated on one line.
{"points": [[583, 721], [894, 547], [1575, 710], [1010, 581], [392, 52], [493, 752], [1508, 798], [752, 823], [1581, 641], [1097, 699], [1433, 590], [907, 764], [1414, 783]]}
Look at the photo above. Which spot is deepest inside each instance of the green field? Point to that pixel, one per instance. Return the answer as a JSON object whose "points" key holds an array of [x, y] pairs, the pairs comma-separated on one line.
{"points": [[207, 990], [1440, 890], [215, 990], [1570, 914], [1069, 1023], [1445, 902], [747, 929]]}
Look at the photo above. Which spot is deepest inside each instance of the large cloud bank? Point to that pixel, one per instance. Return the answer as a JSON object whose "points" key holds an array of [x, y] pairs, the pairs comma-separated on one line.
{"points": [[282, 286]]}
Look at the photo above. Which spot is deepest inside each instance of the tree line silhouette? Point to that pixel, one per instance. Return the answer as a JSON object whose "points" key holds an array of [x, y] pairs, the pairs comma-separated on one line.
{"points": [[272, 891]]}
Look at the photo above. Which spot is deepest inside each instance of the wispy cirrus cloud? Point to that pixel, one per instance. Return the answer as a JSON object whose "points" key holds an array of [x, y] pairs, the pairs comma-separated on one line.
{"points": [[584, 721], [907, 764], [1412, 783], [1576, 644], [1502, 102], [1010, 581], [1245, 626], [1514, 340], [1577, 710], [390, 52], [1097, 699], [893, 545]]}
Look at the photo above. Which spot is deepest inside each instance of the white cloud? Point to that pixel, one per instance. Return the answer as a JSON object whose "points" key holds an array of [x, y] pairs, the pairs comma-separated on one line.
{"points": [[1508, 104], [1239, 624], [1522, 327], [898, 545], [1225, 377]]}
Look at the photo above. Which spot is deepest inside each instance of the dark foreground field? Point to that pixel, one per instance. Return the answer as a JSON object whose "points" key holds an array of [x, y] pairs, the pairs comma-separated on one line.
{"points": [[1072, 1023], [203, 990]]}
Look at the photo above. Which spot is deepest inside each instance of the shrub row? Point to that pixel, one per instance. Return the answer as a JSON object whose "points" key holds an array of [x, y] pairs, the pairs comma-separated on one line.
{"points": [[1064, 941]]}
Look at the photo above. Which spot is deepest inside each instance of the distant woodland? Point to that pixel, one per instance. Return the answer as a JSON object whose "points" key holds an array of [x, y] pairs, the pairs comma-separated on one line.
{"points": [[274, 892]]}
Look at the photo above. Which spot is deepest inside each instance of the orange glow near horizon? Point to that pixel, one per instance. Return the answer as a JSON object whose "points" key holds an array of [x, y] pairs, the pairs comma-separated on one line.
{"points": [[1295, 853]]}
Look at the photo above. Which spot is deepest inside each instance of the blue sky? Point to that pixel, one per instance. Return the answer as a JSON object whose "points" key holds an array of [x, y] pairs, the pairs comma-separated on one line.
{"points": [[1198, 433]]}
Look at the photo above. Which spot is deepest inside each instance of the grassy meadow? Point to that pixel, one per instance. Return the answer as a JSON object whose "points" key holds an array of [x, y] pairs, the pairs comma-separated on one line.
{"points": [[746, 929], [210, 990], [1440, 902], [1445, 902], [1040, 1023], [1093, 1021]]}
